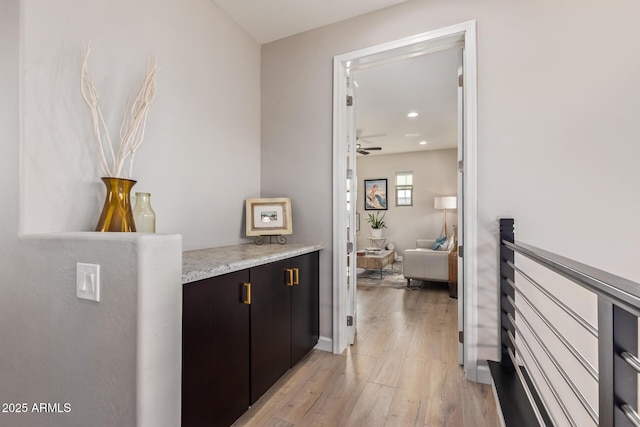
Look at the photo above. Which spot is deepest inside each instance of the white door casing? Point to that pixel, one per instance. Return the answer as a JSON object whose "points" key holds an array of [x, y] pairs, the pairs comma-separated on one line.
{"points": [[460, 235], [456, 36], [351, 182]]}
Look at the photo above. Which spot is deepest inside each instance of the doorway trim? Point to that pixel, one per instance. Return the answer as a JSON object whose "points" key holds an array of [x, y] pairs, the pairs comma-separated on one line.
{"points": [[459, 35]]}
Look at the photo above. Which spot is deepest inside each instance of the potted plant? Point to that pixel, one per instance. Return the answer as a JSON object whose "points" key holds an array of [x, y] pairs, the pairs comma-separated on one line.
{"points": [[377, 223]]}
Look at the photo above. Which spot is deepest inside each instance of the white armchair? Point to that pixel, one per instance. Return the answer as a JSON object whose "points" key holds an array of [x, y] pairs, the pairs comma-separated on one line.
{"points": [[425, 263]]}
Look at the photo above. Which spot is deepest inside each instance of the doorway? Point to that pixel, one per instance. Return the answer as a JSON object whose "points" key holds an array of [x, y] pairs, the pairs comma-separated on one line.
{"points": [[461, 36]]}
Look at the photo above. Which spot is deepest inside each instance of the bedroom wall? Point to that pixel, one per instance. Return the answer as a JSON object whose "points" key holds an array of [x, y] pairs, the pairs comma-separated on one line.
{"points": [[557, 128], [435, 173]]}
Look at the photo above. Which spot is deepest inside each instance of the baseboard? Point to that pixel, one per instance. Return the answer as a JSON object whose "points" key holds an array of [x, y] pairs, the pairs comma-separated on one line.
{"points": [[325, 344]]}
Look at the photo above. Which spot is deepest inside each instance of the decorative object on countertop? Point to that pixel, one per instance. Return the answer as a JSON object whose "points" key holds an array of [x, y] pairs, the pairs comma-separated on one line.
{"points": [[116, 213], [375, 194], [133, 123], [377, 224], [116, 163], [269, 217], [280, 239], [143, 214]]}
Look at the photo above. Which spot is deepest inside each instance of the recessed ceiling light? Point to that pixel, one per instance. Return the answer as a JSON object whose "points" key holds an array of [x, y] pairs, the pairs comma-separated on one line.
{"points": [[410, 135], [412, 114], [423, 142]]}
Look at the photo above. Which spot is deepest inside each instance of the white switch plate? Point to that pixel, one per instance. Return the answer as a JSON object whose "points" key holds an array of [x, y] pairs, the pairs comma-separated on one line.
{"points": [[88, 281]]}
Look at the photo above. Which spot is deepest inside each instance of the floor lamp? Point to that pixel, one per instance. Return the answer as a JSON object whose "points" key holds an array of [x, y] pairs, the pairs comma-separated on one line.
{"points": [[444, 203]]}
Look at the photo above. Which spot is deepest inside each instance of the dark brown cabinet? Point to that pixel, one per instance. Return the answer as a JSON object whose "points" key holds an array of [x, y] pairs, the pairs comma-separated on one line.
{"points": [[270, 326], [284, 318], [241, 332], [305, 316], [215, 350]]}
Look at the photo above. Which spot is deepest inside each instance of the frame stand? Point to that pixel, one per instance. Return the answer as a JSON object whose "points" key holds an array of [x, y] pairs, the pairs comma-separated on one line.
{"points": [[280, 239]]}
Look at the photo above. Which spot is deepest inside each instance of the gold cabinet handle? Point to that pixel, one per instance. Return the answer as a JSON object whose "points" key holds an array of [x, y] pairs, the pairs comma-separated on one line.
{"points": [[247, 300], [290, 281], [296, 281]]}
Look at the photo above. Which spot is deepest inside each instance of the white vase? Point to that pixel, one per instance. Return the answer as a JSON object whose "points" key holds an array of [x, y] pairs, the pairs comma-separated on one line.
{"points": [[143, 214], [376, 232]]}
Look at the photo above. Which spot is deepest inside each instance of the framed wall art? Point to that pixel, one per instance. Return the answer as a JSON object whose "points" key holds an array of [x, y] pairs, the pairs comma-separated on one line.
{"points": [[268, 217], [375, 194]]}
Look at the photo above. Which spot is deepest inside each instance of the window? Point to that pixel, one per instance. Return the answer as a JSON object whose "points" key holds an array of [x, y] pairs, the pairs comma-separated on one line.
{"points": [[404, 189]]}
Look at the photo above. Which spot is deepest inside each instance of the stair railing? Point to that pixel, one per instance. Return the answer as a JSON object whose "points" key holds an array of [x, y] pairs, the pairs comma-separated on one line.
{"points": [[616, 332]]}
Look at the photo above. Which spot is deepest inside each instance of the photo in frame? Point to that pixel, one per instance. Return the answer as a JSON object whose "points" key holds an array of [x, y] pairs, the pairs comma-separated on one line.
{"points": [[268, 217], [375, 194]]}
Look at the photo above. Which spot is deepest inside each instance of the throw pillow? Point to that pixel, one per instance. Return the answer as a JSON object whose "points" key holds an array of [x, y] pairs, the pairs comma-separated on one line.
{"points": [[443, 246], [439, 242]]}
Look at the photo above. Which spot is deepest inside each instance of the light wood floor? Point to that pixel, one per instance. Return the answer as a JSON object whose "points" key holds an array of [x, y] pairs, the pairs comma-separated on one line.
{"points": [[402, 371]]}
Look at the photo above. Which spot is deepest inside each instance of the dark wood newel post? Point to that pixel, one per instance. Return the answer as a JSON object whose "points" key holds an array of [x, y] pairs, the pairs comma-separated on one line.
{"points": [[506, 273]]}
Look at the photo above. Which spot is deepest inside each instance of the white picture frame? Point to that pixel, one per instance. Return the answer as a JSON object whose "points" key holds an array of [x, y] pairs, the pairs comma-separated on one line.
{"points": [[268, 216]]}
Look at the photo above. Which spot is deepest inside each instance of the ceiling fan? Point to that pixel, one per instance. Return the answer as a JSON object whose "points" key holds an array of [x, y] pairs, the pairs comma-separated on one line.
{"points": [[365, 150]]}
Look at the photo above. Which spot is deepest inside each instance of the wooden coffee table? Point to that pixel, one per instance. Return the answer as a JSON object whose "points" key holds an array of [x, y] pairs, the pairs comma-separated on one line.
{"points": [[375, 261]]}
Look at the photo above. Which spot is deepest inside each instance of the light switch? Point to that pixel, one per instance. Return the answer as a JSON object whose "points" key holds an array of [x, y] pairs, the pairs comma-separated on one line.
{"points": [[88, 281]]}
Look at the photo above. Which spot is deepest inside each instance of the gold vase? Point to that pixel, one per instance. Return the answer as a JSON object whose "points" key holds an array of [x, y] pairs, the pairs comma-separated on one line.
{"points": [[116, 213]]}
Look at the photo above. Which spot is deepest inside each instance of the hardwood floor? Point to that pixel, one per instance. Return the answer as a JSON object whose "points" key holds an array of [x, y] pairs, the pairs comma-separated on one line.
{"points": [[402, 371]]}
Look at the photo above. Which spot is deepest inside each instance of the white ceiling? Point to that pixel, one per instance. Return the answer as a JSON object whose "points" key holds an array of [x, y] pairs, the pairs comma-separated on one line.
{"points": [[426, 84], [269, 20]]}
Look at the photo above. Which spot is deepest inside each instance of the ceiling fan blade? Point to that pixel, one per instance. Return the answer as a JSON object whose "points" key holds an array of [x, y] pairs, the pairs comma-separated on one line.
{"points": [[363, 152], [372, 148]]}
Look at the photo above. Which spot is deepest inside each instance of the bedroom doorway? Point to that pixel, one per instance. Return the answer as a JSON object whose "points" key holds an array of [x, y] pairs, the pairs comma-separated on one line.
{"points": [[461, 37]]}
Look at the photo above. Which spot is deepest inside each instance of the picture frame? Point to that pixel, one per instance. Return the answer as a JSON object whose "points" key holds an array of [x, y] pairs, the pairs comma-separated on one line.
{"points": [[268, 216], [375, 194]]}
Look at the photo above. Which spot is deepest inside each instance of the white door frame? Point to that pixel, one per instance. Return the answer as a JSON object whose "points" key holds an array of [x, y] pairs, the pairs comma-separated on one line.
{"points": [[461, 209], [459, 35]]}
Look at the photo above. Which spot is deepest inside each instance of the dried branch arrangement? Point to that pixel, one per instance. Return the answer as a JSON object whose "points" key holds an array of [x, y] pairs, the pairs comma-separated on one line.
{"points": [[113, 162]]}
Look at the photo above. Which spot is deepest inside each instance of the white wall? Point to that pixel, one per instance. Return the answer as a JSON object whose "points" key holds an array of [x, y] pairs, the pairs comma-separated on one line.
{"points": [[557, 128], [114, 362], [9, 139], [435, 173], [14, 328], [201, 153]]}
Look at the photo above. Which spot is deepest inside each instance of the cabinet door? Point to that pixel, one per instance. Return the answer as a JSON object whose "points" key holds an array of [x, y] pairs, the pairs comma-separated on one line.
{"points": [[305, 321], [215, 351], [270, 326]]}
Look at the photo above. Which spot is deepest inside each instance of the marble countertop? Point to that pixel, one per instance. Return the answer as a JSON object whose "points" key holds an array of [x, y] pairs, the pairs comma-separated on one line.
{"points": [[204, 263]]}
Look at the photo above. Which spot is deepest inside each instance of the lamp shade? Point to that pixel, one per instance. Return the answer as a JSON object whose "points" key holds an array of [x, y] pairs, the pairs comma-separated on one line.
{"points": [[445, 202]]}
